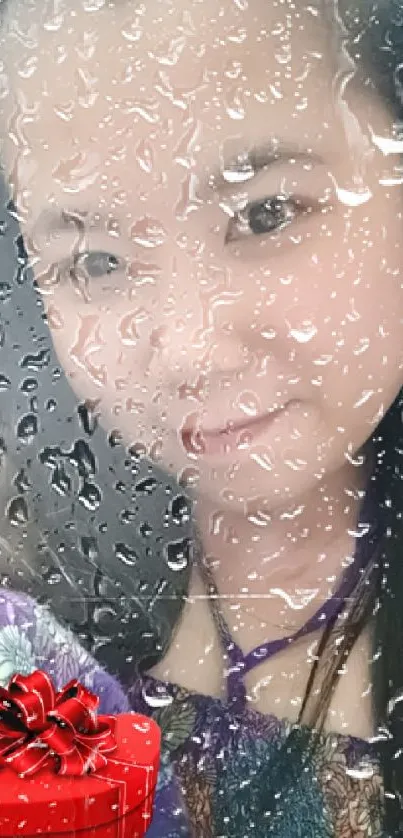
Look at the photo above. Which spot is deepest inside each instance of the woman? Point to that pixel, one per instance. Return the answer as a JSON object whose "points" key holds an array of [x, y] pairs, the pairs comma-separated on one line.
{"points": [[209, 203]]}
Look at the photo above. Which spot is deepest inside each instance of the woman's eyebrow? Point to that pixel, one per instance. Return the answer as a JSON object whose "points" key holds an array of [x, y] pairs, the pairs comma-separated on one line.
{"points": [[246, 164], [249, 162], [54, 219]]}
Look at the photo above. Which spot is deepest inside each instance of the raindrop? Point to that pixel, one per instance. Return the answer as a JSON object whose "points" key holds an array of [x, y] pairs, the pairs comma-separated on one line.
{"points": [[125, 554], [22, 482], [90, 496], [296, 465], [29, 385], [365, 396], [102, 612], [192, 440], [88, 417], [17, 511], [243, 172], [49, 456], [5, 383], [137, 451], [177, 554], [155, 453], [363, 772], [147, 486], [61, 482], [262, 457], [154, 700], [127, 516], [5, 291], [52, 577], [145, 529], [83, 458], [179, 509], [144, 156], [305, 334], [188, 477], [27, 428], [115, 438], [89, 547], [93, 5], [248, 402], [36, 362], [148, 232], [353, 198]]}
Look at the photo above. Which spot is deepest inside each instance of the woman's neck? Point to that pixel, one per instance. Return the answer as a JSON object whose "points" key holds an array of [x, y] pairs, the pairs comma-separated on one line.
{"points": [[277, 565]]}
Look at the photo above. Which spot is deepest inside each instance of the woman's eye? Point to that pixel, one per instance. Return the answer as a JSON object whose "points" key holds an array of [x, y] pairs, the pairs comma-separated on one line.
{"points": [[266, 216], [96, 263]]}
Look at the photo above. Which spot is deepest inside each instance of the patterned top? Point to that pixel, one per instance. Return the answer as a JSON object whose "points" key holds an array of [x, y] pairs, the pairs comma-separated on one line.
{"points": [[225, 772]]}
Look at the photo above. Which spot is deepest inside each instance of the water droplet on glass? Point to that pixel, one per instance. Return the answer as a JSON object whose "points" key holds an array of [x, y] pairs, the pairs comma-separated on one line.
{"points": [[188, 478], [137, 451], [5, 291], [148, 232], [22, 481], [147, 486], [125, 554], [156, 699], [29, 385], [145, 529], [180, 509], [89, 547], [36, 362], [49, 456], [5, 383], [177, 554], [115, 438], [83, 458], [61, 482], [27, 428], [90, 496], [305, 334], [127, 516], [17, 511], [88, 416]]}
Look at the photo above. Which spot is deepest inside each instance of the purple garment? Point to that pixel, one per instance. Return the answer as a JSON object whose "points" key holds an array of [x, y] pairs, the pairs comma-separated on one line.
{"points": [[31, 638], [218, 755], [367, 539]]}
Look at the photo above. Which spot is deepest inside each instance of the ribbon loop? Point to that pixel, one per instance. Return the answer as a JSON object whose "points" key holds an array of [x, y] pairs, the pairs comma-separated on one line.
{"points": [[40, 726]]}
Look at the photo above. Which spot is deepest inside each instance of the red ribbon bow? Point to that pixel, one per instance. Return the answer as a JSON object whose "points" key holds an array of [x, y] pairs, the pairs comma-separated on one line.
{"points": [[39, 726]]}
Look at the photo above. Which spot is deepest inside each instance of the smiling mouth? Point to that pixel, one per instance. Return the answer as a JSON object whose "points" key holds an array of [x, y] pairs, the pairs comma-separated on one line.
{"points": [[243, 424], [234, 437]]}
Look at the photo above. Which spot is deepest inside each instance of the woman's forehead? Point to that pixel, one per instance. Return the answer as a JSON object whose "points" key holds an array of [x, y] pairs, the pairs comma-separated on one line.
{"points": [[232, 41], [185, 80]]}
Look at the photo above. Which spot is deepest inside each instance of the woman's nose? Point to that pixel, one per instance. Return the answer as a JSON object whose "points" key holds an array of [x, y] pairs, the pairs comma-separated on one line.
{"points": [[210, 352]]}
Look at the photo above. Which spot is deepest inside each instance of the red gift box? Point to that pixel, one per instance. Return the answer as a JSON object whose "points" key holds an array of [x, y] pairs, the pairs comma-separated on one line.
{"points": [[66, 773]]}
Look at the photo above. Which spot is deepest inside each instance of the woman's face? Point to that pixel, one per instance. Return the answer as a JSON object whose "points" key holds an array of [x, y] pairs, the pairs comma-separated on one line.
{"points": [[216, 238]]}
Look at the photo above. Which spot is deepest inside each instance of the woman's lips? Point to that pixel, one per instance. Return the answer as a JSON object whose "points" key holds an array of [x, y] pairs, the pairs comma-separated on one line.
{"points": [[234, 437]]}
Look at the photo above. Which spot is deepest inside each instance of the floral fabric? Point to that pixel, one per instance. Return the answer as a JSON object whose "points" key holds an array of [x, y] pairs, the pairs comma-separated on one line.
{"points": [[223, 775]]}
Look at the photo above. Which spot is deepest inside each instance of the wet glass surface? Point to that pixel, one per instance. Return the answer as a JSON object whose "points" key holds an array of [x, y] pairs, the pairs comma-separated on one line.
{"points": [[200, 388]]}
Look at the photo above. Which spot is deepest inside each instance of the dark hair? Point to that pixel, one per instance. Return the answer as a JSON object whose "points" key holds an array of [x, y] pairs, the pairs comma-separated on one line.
{"points": [[373, 39], [56, 461]]}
